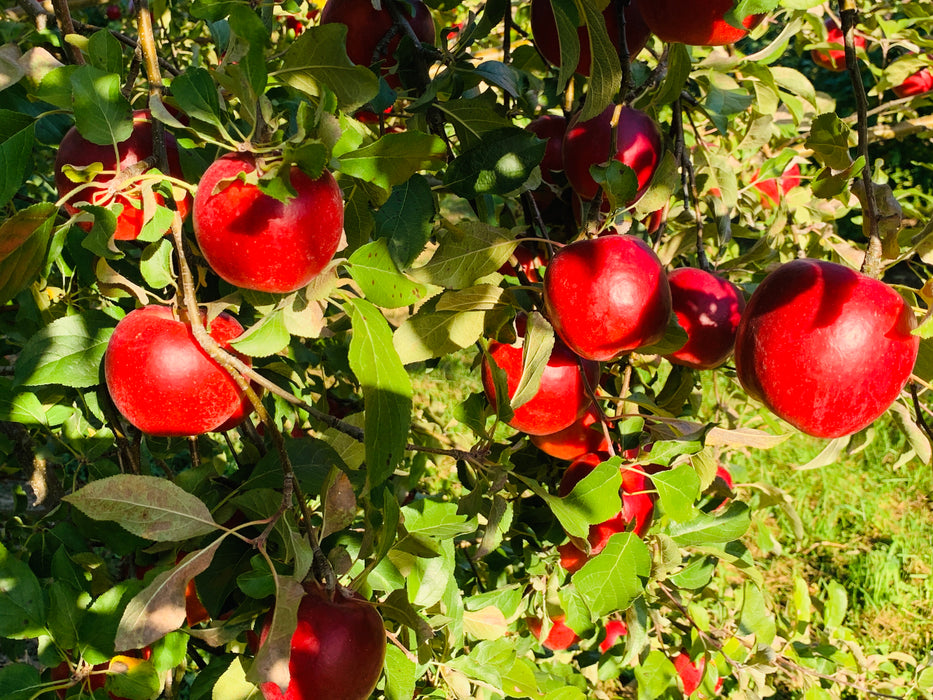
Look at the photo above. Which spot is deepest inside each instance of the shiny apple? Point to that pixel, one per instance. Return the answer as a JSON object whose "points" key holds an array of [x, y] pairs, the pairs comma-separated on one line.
{"points": [[826, 348], [695, 22]]}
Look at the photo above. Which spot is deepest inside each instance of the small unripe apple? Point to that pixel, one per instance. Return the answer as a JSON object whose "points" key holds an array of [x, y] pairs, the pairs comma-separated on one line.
{"points": [[607, 296], [544, 31], [562, 396], [160, 378], [638, 145], [695, 22], [78, 152], [337, 650], [709, 309], [367, 29], [835, 59], [826, 348], [255, 241]]}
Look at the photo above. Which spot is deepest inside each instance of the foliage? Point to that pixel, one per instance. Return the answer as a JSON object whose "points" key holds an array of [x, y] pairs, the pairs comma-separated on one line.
{"points": [[417, 491]]}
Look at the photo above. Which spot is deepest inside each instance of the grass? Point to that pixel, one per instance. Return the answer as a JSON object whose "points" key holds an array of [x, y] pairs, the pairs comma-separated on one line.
{"points": [[867, 524]]}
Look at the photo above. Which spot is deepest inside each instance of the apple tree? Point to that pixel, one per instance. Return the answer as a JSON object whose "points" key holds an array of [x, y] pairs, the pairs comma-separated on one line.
{"points": [[243, 243]]}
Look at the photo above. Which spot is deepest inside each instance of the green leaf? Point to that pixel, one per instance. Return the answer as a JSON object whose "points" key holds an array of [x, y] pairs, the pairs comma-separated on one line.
{"points": [[837, 602], [430, 333], [756, 617], [379, 279], [744, 8], [829, 140], [24, 239], [156, 264], [696, 574], [536, 351], [196, 95], [319, 57], [605, 68], [472, 118], [394, 158], [405, 220], [567, 19], [401, 674], [17, 137], [386, 388], [22, 604], [147, 506], [233, 683], [160, 607], [678, 488], [500, 164], [102, 114], [266, 337], [436, 519], [105, 52], [594, 499], [19, 682], [615, 577], [68, 351], [467, 251], [679, 66], [654, 675], [708, 529]]}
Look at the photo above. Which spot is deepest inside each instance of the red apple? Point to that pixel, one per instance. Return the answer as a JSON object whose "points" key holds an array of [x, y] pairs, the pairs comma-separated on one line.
{"points": [[254, 241], [636, 514], [696, 22], [691, 673], [709, 309], [835, 59], [550, 128], [560, 635], [720, 490], [337, 650], [367, 28], [607, 296], [562, 396], [614, 630], [113, 12], [544, 31], [583, 436], [638, 145], [826, 348], [527, 259], [160, 378], [768, 189], [919, 83], [78, 152]]}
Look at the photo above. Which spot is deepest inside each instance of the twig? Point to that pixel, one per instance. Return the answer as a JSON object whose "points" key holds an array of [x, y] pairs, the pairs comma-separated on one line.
{"points": [[918, 409], [63, 16], [874, 252]]}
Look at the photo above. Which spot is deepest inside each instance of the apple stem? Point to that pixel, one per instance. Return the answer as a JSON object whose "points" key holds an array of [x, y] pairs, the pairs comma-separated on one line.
{"points": [[872, 264]]}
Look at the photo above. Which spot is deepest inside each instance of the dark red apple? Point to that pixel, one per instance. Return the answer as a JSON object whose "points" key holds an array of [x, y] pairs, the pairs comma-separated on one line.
{"points": [[919, 83], [768, 189], [550, 128], [160, 378], [636, 514], [527, 259], [254, 241], [695, 22], [638, 145], [337, 650], [113, 12], [367, 28], [826, 348], [835, 59], [558, 638], [562, 396], [544, 31], [614, 630], [607, 296], [583, 436], [709, 309], [78, 152]]}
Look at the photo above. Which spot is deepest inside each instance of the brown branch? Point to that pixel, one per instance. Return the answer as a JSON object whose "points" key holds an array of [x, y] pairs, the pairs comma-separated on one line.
{"points": [[63, 16]]}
